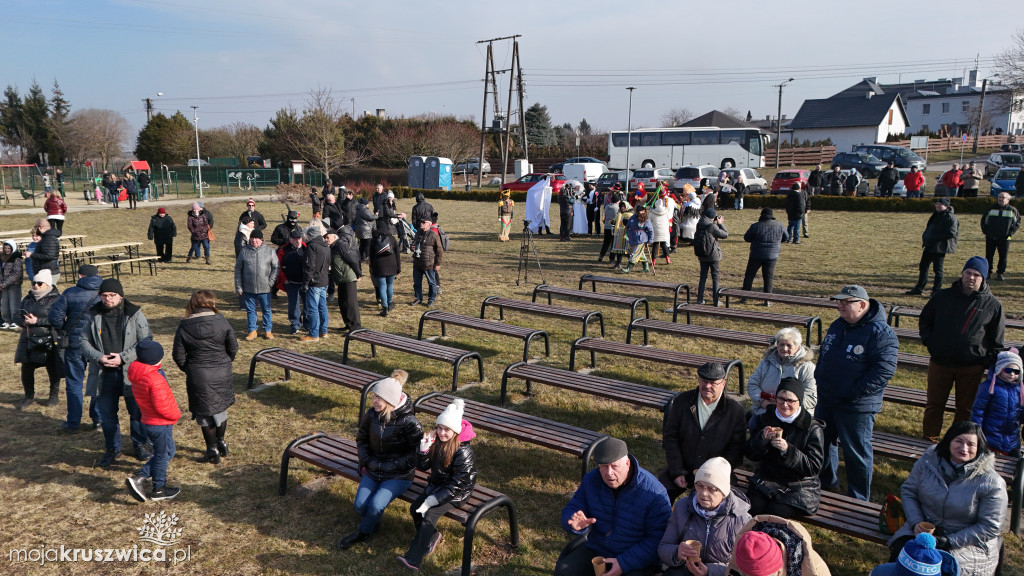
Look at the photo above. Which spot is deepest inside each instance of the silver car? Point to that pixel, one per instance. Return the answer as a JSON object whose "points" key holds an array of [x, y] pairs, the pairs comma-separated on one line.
{"points": [[471, 166]]}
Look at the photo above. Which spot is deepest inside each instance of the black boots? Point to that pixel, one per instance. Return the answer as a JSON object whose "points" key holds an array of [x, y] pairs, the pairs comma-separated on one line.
{"points": [[352, 539], [222, 446], [212, 455]]}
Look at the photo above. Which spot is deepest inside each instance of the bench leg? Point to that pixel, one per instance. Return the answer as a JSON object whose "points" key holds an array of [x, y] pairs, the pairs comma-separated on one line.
{"points": [[1016, 496], [480, 364], [252, 371], [513, 529], [282, 487]]}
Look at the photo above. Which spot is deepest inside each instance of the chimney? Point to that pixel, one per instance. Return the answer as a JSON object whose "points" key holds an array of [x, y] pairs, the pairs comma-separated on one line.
{"points": [[380, 112], [871, 79], [768, 117], [869, 94]]}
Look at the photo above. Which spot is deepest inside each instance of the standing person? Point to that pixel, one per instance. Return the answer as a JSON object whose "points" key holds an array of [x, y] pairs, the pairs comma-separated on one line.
{"points": [[951, 180], [506, 211], [444, 451], [594, 201], [346, 271], [423, 209], [365, 221], [46, 254], [114, 327], [852, 183], [331, 212], [60, 182], [144, 181], [620, 241], [132, 189], [999, 407], [113, 186], [639, 232], [807, 210], [796, 206], [255, 274], [836, 178], [29, 249], [160, 413], [426, 261], [55, 209], [856, 360], [260, 223], [37, 345], [962, 326], [887, 179], [316, 272], [12, 274], [384, 266], [611, 210], [67, 317], [710, 229], [723, 180], [348, 207], [913, 181], [199, 228], [245, 228], [282, 232], [741, 186], [291, 257], [162, 232], [204, 348], [971, 178], [388, 440], [378, 198], [815, 180], [689, 214], [939, 238], [565, 214], [765, 237], [47, 183], [998, 225], [661, 224]]}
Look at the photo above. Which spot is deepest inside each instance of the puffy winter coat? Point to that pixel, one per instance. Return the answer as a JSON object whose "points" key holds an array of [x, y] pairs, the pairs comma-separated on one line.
{"points": [[136, 329], [198, 226], [772, 369], [129, 185], [687, 446], [40, 309], [46, 256], [855, 362], [639, 232], [795, 471], [364, 222], [716, 535], [887, 177], [72, 307], [153, 395], [630, 520], [611, 210], [689, 215], [968, 506], [204, 348], [963, 329], [795, 541], [718, 232], [161, 228], [291, 260], [316, 265], [454, 482], [421, 211], [999, 413], [941, 232], [388, 264], [796, 204], [255, 269], [345, 264], [426, 250], [661, 219], [766, 237], [55, 206], [1000, 222], [12, 272], [913, 181], [332, 212], [389, 449]]}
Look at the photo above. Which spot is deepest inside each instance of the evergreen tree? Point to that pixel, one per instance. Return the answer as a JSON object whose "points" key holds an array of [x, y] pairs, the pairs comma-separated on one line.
{"points": [[538, 126], [36, 115], [59, 126], [166, 140], [12, 120], [584, 127]]}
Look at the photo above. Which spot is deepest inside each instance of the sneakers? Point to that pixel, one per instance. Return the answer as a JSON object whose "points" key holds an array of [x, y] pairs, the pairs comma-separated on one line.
{"points": [[250, 336], [416, 301], [308, 338], [143, 453], [109, 458], [136, 487], [434, 541], [165, 493], [24, 403], [914, 292], [407, 564]]}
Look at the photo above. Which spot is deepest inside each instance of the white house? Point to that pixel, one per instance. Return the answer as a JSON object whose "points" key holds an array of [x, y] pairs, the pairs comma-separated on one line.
{"points": [[954, 104], [861, 114]]}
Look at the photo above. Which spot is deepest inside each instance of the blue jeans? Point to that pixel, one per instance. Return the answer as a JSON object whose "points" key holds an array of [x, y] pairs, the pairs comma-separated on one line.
{"points": [[251, 300], [295, 300], [385, 289], [316, 311], [372, 497], [162, 438], [74, 378], [417, 283], [111, 389], [194, 251], [794, 230], [852, 430], [144, 193]]}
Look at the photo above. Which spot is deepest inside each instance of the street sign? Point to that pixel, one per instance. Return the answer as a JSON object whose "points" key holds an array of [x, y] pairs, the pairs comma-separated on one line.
{"points": [[963, 138]]}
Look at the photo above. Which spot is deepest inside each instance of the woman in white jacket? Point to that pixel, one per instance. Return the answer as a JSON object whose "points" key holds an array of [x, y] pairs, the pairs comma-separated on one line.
{"points": [[661, 222], [786, 357]]}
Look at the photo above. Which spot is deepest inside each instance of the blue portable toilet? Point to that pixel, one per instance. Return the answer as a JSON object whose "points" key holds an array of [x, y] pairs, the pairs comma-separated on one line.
{"points": [[437, 173], [416, 165]]}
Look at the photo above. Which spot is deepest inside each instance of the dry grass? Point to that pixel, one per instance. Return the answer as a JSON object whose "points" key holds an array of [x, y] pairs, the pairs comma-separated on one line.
{"points": [[230, 514]]}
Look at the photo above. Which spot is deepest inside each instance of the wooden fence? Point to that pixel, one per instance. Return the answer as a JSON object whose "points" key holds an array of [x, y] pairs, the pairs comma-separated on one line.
{"points": [[954, 142], [803, 156]]}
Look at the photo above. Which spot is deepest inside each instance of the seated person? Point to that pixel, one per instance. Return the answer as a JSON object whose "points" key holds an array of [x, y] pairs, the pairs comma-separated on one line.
{"points": [[768, 544], [919, 556]]}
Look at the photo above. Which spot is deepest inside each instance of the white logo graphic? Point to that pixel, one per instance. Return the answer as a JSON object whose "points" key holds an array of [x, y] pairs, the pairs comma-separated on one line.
{"points": [[160, 529], [858, 350]]}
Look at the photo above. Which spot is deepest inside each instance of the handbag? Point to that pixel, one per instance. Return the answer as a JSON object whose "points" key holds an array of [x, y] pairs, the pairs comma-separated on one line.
{"points": [[40, 342]]}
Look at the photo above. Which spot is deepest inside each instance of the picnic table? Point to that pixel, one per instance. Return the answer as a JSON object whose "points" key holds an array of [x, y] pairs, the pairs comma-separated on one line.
{"points": [[74, 239], [10, 233], [74, 256]]}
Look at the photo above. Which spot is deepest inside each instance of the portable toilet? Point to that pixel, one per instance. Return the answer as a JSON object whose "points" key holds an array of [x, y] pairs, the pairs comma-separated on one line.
{"points": [[416, 164], [437, 173]]}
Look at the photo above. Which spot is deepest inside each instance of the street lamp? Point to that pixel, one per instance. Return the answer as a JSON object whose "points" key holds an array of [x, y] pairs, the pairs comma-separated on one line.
{"points": [[778, 118], [199, 162], [629, 133]]}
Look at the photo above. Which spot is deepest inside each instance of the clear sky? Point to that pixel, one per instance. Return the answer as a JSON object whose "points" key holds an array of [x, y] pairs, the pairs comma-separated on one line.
{"points": [[243, 61]]}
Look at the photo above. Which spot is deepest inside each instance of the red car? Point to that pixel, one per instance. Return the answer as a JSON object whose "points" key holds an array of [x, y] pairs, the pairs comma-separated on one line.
{"points": [[784, 180], [527, 182]]}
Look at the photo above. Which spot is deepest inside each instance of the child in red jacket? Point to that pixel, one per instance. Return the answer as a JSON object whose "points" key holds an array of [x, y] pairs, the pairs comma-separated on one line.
{"points": [[159, 414]]}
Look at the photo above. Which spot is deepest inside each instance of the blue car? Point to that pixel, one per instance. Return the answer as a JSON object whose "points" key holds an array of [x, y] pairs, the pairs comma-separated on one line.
{"points": [[1005, 180]]}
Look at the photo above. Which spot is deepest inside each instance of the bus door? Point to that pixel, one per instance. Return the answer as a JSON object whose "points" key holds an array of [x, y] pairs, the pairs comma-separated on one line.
{"points": [[678, 155], [754, 152]]}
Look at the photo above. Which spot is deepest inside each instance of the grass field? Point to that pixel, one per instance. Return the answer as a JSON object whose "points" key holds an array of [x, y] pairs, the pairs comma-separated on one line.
{"points": [[231, 518]]}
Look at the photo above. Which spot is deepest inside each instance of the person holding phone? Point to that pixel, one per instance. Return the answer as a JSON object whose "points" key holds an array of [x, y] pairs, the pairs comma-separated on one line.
{"points": [[37, 347]]}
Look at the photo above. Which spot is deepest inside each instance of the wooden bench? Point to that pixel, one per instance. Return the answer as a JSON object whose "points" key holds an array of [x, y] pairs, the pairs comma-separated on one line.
{"points": [[520, 426], [632, 301], [913, 397], [482, 324], [807, 322], [915, 334], [675, 287], [333, 372], [628, 392], [454, 356], [674, 357], [736, 293], [115, 265], [340, 456], [693, 330], [542, 310]]}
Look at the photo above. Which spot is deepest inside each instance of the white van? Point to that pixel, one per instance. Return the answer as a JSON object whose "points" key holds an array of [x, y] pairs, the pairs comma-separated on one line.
{"points": [[583, 171]]}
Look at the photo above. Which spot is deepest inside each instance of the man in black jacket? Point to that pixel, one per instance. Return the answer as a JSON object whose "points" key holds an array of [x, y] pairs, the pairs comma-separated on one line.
{"points": [[46, 256], [292, 257], [962, 326], [998, 224], [815, 180], [939, 238], [282, 232], [316, 270], [796, 206], [765, 237], [701, 424], [331, 211], [251, 213], [348, 207], [421, 211], [887, 179], [565, 211], [346, 271]]}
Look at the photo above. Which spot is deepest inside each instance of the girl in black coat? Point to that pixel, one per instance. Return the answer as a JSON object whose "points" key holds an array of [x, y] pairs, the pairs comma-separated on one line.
{"points": [[388, 437], [37, 347], [204, 348]]}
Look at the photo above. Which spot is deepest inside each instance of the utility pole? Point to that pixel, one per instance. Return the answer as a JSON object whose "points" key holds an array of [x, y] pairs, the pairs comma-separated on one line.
{"points": [[981, 115], [199, 161], [778, 119], [491, 85], [629, 134], [149, 109]]}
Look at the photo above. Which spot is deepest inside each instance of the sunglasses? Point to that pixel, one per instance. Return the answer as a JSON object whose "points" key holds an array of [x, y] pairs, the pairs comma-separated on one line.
{"points": [[41, 283], [1013, 371]]}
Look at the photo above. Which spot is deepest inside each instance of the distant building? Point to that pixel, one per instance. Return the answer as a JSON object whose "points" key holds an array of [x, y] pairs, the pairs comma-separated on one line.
{"points": [[861, 114], [952, 105]]}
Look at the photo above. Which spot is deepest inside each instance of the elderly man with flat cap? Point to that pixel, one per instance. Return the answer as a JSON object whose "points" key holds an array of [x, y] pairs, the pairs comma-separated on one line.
{"points": [[620, 511], [701, 424], [856, 361]]}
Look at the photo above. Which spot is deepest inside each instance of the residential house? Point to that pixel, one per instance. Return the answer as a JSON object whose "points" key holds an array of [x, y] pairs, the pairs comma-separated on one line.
{"points": [[862, 114]]}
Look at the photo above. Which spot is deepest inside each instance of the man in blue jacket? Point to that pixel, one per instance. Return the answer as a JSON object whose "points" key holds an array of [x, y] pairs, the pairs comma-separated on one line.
{"points": [[67, 316], [622, 510], [856, 361]]}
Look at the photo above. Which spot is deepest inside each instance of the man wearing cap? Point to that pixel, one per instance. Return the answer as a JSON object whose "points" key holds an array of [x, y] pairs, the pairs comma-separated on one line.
{"points": [[290, 258], [962, 326], [255, 274], [939, 238], [701, 424], [316, 271], [622, 512], [250, 212], [113, 327], [162, 232], [887, 179], [998, 225], [67, 317], [856, 360]]}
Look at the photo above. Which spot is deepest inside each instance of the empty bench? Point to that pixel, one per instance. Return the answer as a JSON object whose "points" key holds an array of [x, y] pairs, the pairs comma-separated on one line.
{"points": [[807, 322], [594, 345], [737, 294], [632, 301], [636, 394], [340, 456], [675, 287], [454, 356], [333, 372], [540, 309], [517, 425], [115, 265], [484, 325]]}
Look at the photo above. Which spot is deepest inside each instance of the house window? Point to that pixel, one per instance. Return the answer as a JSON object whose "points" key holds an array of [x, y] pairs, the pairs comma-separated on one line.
{"points": [[965, 105], [945, 107], [890, 117], [926, 109], [924, 128]]}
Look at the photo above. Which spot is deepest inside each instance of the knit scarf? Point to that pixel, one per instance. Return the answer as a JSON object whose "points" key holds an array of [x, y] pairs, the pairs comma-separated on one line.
{"points": [[706, 514], [38, 293], [793, 545]]}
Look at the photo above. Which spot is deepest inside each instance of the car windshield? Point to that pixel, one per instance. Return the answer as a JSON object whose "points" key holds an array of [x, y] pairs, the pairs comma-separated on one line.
{"points": [[1013, 159], [1007, 174], [868, 158], [643, 173], [608, 176], [688, 172]]}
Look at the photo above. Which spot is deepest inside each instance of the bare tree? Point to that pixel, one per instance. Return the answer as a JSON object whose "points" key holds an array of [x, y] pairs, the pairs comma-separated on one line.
{"points": [[237, 140], [675, 117], [453, 140], [397, 142], [97, 133], [1009, 65], [734, 112], [319, 137]]}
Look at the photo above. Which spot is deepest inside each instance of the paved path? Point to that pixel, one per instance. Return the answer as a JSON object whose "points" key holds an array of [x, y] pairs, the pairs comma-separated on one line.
{"points": [[79, 205]]}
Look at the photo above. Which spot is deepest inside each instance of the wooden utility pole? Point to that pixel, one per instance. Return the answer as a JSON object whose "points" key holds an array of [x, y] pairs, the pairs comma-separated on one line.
{"points": [[981, 115]]}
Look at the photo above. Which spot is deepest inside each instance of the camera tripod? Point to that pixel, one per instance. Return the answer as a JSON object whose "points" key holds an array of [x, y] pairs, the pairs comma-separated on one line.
{"points": [[525, 248]]}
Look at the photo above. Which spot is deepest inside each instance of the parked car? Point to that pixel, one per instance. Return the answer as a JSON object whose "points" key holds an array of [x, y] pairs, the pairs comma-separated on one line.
{"points": [[526, 182], [695, 176], [471, 166], [901, 157], [1005, 180], [900, 189], [784, 180], [557, 167], [649, 177], [608, 179], [1017, 147], [756, 184], [866, 164], [1000, 160], [197, 162]]}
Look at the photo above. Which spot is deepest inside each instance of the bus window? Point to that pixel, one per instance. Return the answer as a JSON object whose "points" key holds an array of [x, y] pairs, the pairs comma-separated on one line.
{"points": [[705, 137], [619, 139], [650, 138], [675, 138], [734, 137], [754, 145]]}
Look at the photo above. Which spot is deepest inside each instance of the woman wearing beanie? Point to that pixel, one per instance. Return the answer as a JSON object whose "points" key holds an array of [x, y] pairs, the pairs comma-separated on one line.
{"points": [[920, 558], [999, 406], [446, 453], [789, 447], [37, 346], [388, 437], [204, 348], [954, 487], [773, 546], [787, 357], [12, 274], [712, 514]]}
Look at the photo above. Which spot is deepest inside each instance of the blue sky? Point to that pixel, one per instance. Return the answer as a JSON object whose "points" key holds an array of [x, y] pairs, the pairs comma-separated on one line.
{"points": [[242, 61]]}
